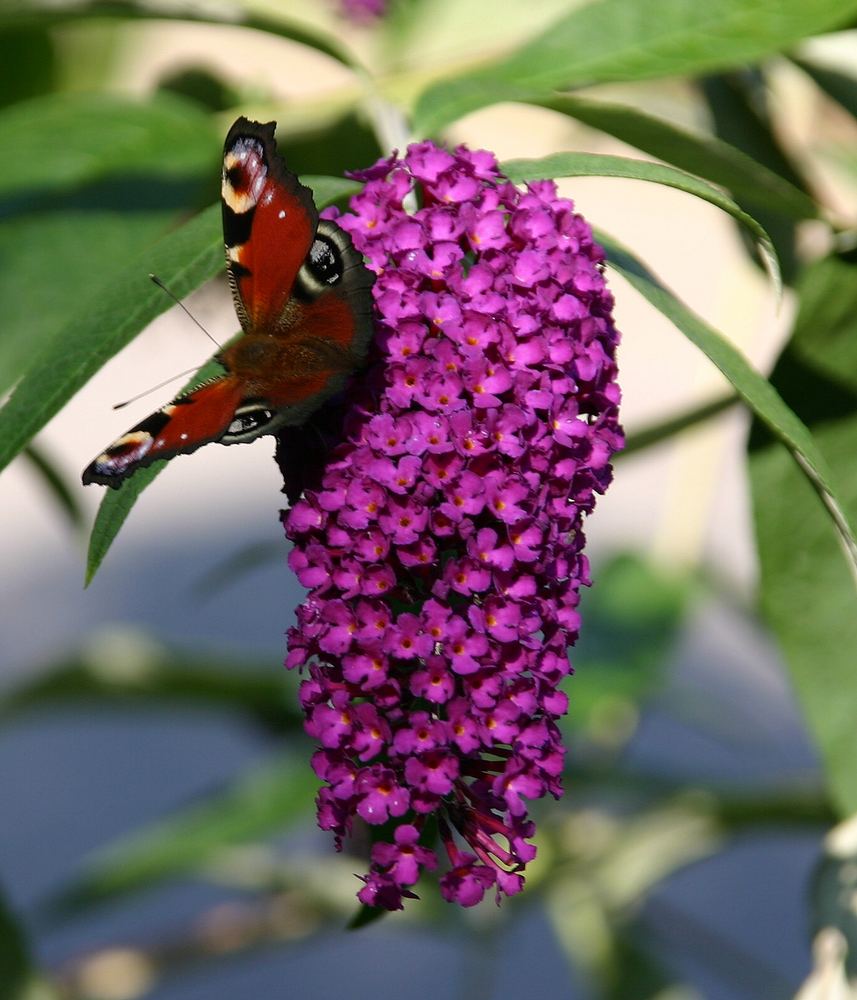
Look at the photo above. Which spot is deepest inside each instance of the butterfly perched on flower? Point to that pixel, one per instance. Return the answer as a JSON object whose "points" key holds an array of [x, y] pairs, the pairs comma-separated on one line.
{"points": [[303, 298]]}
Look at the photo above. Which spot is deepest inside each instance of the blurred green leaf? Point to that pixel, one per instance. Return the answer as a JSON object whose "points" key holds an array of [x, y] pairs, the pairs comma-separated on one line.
{"points": [[127, 668], [65, 141], [40, 13], [55, 483], [696, 153], [14, 960], [663, 430], [807, 592], [364, 916], [93, 180], [632, 616], [18, 978], [27, 64], [838, 86], [759, 394], [235, 565], [41, 262], [267, 800], [611, 40], [200, 85], [738, 105], [105, 320], [601, 165]]}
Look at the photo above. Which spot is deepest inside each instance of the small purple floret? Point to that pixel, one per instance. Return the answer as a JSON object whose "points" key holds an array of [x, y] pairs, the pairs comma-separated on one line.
{"points": [[443, 545]]}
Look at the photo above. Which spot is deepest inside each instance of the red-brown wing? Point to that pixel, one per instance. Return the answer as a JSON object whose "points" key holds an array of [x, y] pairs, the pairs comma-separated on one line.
{"points": [[206, 414], [269, 224]]}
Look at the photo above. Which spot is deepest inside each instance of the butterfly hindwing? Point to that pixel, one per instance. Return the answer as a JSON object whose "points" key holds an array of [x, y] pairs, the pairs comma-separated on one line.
{"points": [[188, 422]]}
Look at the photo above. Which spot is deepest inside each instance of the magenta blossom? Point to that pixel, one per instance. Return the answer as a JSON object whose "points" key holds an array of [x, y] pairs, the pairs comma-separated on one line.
{"points": [[363, 11], [442, 543]]}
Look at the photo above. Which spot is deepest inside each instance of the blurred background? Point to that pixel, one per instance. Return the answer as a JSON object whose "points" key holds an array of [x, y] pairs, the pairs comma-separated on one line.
{"points": [[157, 832]]}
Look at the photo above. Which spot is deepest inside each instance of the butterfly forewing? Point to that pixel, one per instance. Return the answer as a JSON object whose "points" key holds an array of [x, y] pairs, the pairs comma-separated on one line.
{"points": [[269, 224]]}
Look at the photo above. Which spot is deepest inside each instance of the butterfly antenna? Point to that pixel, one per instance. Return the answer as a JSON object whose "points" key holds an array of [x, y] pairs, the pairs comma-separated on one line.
{"points": [[183, 307], [154, 388]]}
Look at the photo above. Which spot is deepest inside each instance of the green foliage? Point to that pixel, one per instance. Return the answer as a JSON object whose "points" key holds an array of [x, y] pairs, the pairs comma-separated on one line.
{"points": [[613, 40], [759, 394], [103, 189], [600, 165], [807, 591], [14, 959]]}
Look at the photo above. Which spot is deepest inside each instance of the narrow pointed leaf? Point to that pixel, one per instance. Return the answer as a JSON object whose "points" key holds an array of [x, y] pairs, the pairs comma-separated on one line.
{"points": [[601, 165], [105, 323], [762, 398], [63, 141], [612, 40], [695, 152]]}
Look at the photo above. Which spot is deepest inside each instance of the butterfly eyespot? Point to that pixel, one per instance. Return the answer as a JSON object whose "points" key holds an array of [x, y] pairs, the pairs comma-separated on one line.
{"points": [[247, 424], [324, 261]]}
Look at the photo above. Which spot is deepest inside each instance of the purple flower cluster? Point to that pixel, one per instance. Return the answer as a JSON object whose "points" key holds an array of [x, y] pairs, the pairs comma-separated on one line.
{"points": [[363, 11], [443, 548]]}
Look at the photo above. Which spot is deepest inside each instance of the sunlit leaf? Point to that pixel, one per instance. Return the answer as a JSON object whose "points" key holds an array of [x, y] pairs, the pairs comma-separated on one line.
{"points": [[602, 165], [64, 141], [609, 40], [694, 152], [28, 13]]}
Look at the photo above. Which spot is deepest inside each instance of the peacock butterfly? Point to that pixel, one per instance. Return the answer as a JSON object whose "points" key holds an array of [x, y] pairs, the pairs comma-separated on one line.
{"points": [[302, 294]]}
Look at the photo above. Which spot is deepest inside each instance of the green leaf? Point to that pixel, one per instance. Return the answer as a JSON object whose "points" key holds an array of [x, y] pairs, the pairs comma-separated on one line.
{"points": [[612, 40], [738, 106], [663, 430], [55, 484], [28, 64], [267, 800], [632, 616], [40, 13], [807, 593], [762, 398], [125, 667], [104, 323], [35, 244], [601, 165], [64, 141], [696, 153], [15, 970], [838, 86]]}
